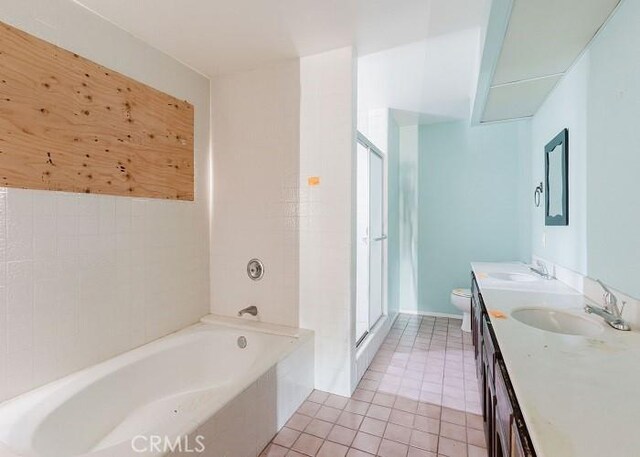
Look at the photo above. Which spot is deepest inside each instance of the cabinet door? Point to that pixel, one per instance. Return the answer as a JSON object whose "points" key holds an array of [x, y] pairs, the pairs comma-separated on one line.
{"points": [[488, 402], [475, 331], [521, 445], [490, 347], [503, 413], [478, 313], [474, 328], [517, 450]]}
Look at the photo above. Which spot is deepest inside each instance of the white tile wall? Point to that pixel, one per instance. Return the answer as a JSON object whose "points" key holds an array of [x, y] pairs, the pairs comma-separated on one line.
{"points": [[84, 277], [255, 211], [327, 150], [88, 277]]}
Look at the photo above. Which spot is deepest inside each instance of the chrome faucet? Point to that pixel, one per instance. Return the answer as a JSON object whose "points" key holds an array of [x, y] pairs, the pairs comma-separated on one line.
{"points": [[542, 270], [253, 310], [610, 311]]}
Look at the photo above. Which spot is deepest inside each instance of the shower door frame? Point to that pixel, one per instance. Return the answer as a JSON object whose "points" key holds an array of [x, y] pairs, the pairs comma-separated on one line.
{"points": [[373, 149]]}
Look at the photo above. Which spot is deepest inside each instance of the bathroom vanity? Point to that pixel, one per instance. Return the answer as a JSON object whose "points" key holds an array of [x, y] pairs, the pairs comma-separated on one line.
{"points": [[549, 372], [505, 429]]}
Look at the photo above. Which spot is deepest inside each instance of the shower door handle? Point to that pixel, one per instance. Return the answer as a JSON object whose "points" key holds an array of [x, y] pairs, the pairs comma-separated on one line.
{"points": [[380, 238]]}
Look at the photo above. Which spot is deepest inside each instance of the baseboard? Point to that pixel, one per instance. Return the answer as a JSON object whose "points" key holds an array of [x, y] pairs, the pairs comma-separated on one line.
{"points": [[430, 313]]}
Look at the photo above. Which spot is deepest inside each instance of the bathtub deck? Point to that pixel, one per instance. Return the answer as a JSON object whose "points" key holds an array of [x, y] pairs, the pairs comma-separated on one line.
{"points": [[419, 398]]}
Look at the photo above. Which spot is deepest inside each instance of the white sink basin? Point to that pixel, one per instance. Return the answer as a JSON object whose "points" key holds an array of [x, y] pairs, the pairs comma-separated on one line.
{"points": [[516, 277], [556, 321]]}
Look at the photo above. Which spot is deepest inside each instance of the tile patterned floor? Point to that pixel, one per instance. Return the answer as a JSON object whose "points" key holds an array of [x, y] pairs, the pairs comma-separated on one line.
{"points": [[419, 398]]}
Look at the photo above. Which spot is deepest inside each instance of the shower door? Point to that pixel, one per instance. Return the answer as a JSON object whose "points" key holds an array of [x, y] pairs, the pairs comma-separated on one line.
{"points": [[377, 236], [370, 226]]}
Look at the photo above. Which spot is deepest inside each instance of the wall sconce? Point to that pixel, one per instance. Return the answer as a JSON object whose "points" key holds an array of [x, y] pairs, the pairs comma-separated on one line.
{"points": [[537, 194]]}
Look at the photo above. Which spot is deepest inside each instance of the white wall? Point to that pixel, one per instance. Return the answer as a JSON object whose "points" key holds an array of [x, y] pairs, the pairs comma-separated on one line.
{"points": [[84, 277], [408, 209], [566, 107], [327, 226], [393, 212], [256, 130]]}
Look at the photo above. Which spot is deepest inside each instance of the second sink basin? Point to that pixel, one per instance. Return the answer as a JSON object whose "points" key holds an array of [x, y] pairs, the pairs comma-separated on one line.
{"points": [[516, 277], [555, 321]]}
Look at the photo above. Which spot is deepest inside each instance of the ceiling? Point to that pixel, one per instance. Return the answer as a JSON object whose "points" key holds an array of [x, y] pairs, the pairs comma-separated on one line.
{"points": [[425, 82], [222, 36], [542, 41]]}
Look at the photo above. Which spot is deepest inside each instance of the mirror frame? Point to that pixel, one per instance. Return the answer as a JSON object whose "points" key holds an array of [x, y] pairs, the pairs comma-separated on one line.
{"points": [[561, 139]]}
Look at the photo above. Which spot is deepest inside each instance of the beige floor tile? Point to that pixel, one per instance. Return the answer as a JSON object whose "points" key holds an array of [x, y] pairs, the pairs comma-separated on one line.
{"points": [[318, 396], [379, 412], [318, 428], [429, 410], [336, 401], [342, 435], [454, 431], [392, 449], [475, 421], [398, 433], [274, 450], [402, 418], [307, 444], [476, 437], [326, 413], [309, 408], [451, 448], [417, 452], [366, 442], [423, 440], [286, 437], [295, 454], [350, 420], [383, 399], [475, 451], [358, 453], [363, 395], [298, 422], [373, 426], [356, 406], [330, 449], [453, 416], [427, 424]]}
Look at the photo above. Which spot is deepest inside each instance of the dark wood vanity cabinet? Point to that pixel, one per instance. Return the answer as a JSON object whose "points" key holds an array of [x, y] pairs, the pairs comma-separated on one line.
{"points": [[505, 429]]}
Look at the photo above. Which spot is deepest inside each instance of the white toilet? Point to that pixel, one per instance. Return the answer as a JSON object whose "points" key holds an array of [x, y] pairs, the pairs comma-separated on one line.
{"points": [[461, 299]]}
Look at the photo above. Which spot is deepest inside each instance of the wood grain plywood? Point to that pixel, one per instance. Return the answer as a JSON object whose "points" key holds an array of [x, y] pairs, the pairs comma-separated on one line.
{"points": [[69, 124]]}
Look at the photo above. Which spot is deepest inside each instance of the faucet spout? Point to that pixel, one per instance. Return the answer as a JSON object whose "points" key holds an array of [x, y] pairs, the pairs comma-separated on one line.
{"points": [[253, 310], [542, 270]]}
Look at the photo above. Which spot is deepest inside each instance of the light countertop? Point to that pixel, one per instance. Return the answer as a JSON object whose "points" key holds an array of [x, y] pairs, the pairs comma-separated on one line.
{"points": [[579, 395]]}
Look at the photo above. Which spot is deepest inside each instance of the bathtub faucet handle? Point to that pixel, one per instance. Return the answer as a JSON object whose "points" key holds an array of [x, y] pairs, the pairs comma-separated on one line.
{"points": [[253, 310]]}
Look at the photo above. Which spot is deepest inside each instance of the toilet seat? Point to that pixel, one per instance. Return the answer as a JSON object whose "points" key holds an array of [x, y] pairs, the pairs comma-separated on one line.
{"points": [[466, 293]]}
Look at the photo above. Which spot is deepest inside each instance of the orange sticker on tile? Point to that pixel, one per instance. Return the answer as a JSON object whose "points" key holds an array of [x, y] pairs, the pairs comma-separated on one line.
{"points": [[313, 180], [497, 314]]}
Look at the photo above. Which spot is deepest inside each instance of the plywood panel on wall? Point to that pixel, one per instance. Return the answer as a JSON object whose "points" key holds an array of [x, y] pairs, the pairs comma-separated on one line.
{"points": [[69, 124]]}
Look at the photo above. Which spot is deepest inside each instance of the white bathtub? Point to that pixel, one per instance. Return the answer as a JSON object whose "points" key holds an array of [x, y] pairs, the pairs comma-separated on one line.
{"points": [[187, 385]]}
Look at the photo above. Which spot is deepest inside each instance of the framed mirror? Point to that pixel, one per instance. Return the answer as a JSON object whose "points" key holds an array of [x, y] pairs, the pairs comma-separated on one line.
{"points": [[556, 155]]}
